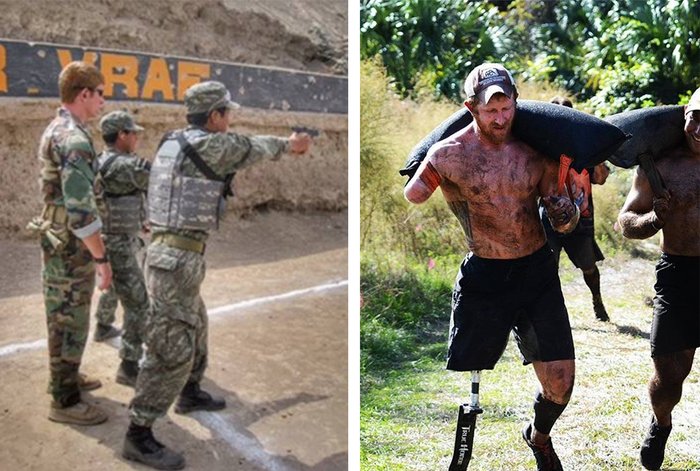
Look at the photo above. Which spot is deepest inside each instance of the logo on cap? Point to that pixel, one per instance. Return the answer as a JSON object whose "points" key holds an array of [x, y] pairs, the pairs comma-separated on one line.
{"points": [[486, 80], [489, 73]]}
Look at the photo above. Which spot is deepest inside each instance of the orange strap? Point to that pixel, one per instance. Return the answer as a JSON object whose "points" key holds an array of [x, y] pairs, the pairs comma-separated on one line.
{"points": [[587, 182], [564, 163], [430, 177]]}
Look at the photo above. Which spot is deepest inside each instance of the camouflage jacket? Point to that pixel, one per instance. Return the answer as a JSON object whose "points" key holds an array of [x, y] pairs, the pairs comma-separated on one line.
{"points": [[66, 154], [126, 174], [225, 153]]}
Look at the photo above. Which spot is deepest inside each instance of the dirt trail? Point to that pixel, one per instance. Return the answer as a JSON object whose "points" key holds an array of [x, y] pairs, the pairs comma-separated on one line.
{"points": [[281, 363]]}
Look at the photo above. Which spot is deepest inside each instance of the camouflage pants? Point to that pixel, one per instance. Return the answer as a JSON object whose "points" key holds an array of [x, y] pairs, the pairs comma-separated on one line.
{"points": [[108, 300], [68, 277], [107, 307], [129, 286], [176, 332]]}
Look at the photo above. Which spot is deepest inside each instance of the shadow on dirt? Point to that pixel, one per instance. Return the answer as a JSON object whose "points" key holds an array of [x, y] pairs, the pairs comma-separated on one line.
{"points": [[633, 331], [232, 444]]}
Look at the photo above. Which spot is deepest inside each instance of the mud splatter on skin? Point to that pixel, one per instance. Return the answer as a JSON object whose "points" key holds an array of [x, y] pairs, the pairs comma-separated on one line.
{"points": [[493, 191]]}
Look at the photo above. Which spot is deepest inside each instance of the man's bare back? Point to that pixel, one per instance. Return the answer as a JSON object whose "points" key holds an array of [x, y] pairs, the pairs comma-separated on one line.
{"points": [[493, 190]]}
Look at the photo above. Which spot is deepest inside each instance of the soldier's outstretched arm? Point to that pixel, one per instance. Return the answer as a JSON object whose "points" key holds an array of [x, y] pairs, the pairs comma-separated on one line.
{"points": [[245, 151]]}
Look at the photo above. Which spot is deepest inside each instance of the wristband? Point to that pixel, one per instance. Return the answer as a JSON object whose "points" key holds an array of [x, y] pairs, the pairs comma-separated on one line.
{"points": [[104, 259], [654, 225]]}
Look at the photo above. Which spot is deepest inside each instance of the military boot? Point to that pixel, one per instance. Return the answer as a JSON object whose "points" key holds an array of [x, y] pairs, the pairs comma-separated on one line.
{"points": [[88, 383], [140, 445], [127, 373], [81, 413], [192, 398], [104, 332]]}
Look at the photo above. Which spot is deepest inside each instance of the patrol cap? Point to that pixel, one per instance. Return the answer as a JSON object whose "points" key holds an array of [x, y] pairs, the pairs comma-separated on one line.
{"points": [[116, 121], [694, 103], [486, 80], [205, 97]]}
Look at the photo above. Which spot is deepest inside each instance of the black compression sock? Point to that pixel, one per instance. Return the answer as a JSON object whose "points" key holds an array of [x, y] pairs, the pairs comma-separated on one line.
{"points": [[546, 413]]}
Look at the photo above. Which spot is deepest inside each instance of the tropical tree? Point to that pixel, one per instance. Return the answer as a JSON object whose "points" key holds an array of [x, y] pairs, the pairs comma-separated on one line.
{"points": [[433, 42], [620, 54], [615, 54]]}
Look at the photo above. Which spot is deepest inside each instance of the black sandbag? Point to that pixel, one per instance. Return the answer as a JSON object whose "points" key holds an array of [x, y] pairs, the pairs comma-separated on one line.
{"points": [[653, 130], [549, 128], [457, 120]]}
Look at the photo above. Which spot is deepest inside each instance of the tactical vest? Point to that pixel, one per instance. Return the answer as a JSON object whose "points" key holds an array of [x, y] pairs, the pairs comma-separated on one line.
{"points": [[178, 201], [123, 211]]}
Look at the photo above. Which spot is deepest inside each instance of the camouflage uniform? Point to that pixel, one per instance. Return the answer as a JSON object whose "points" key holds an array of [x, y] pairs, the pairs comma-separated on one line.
{"points": [[119, 175], [176, 334], [107, 303], [66, 154]]}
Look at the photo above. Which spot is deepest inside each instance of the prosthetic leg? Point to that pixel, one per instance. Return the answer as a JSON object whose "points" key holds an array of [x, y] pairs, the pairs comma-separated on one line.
{"points": [[466, 424]]}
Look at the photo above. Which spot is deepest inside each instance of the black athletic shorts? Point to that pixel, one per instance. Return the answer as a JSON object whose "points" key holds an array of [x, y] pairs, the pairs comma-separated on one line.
{"points": [[492, 297], [676, 324], [582, 249]]}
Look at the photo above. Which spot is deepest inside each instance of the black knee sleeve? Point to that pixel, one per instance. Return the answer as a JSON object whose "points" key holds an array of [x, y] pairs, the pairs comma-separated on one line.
{"points": [[546, 413]]}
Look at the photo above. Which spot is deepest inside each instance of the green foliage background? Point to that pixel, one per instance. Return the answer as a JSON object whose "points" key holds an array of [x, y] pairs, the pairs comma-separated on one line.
{"points": [[613, 55]]}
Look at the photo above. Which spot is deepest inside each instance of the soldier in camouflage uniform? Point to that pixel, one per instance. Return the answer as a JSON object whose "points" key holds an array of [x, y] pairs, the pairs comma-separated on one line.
{"points": [[185, 197], [121, 182], [72, 248]]}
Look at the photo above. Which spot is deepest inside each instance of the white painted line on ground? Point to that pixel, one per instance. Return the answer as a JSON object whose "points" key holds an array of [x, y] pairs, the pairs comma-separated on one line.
{"points": [[13, 348], [277, 297], [240, 443], [20, 347]]}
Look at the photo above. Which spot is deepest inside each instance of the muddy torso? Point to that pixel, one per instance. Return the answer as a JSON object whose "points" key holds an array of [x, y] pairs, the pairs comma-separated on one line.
{"points": [[493, 192]]}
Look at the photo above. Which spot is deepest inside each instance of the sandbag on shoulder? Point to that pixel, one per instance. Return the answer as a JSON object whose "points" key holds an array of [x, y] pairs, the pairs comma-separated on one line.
{"points": [[550, 129], [457, 120], [653, 130]]}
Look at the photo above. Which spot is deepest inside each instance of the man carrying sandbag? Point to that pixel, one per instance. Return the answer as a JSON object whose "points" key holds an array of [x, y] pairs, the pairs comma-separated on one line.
{"points": [[491, 181], [675, 329], [580, 244]]}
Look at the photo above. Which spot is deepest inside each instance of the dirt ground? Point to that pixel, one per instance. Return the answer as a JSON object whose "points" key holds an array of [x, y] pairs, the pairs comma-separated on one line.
{"points": [[280, 361]]}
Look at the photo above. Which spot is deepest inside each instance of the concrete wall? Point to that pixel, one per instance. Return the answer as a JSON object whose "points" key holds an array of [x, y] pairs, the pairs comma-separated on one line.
{"points": [[315, 181]]}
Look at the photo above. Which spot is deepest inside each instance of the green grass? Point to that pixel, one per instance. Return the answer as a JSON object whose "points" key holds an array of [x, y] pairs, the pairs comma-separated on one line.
{"points": [[409, 406]]}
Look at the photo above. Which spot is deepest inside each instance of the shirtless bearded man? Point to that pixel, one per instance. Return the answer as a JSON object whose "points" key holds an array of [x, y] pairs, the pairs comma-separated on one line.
{"points": [[509, 281]]}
